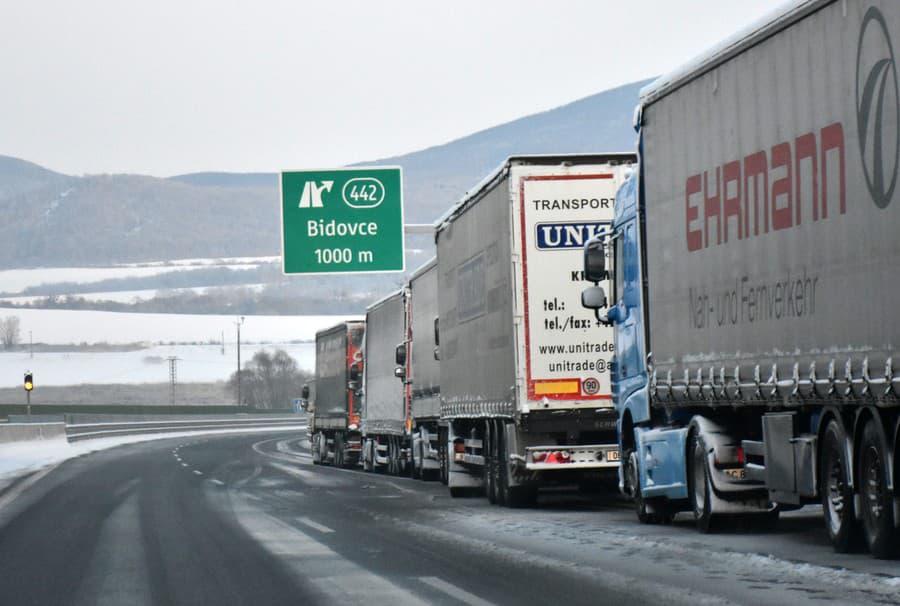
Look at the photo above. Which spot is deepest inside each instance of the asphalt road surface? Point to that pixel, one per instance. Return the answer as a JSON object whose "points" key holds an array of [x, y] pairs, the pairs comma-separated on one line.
{"points": [[248, 519]]}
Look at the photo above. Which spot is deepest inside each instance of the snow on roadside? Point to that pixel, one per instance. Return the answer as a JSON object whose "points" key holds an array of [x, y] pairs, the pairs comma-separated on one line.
{"points": [[22, 458]]}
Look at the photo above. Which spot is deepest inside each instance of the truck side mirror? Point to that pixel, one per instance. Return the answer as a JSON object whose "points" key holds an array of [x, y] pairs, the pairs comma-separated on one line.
{"points": [[304, 393], [595, 260], [355, 372], [593, 297], [400, 372], [400, 355]]}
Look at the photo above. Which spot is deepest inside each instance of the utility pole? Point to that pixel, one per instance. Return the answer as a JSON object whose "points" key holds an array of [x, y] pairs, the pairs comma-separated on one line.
{"points": [[30, 345], [173, 375], [223, 342], [238, 324]]}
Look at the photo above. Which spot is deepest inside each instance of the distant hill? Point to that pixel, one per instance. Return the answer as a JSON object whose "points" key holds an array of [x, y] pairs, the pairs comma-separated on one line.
{"points": [[58, 220]]}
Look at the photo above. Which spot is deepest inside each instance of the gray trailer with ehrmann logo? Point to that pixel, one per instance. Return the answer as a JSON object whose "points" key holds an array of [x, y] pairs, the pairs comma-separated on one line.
{"points": [[757, 266], [525, 397]]}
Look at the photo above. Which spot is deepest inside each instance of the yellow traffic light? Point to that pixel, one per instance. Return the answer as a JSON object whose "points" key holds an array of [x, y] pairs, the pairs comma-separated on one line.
{"points": [[29, 383]]}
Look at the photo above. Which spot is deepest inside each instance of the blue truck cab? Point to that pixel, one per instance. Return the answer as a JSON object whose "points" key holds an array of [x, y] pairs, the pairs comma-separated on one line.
{"points": [[661, 447]]}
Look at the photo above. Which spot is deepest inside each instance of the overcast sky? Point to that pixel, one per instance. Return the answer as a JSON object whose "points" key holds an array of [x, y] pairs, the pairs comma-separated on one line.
{"points": [[164, 87]]}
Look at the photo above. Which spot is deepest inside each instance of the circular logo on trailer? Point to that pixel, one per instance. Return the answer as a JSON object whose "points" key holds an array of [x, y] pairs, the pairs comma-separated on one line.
{"points": [[590, 386], [877, 107]]}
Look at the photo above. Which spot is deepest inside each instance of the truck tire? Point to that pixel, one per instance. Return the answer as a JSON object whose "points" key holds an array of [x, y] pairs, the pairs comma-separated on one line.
{"points": [[657, 513], [633, 487], [877, 515], [698, 484], [315, 449], [393, 456], [443, 454], [415, 459], [490, 463], [523, 495], [368, 455], [837, 494], [338, 444]]}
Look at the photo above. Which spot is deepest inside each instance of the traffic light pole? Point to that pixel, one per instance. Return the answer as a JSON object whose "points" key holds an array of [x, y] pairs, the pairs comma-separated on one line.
{"points": [[28, 403]]}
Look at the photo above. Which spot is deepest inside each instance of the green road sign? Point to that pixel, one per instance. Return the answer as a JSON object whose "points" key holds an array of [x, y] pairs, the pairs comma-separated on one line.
{"points": [[342, 221]]}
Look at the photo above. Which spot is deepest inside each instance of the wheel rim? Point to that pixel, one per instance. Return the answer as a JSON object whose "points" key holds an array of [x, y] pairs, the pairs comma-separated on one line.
{"points": [[634, 481], [872, 488], [836, 484]]}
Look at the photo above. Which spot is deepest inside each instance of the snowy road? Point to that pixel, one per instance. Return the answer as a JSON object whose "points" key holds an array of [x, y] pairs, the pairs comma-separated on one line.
{"points": [[247, 519]]}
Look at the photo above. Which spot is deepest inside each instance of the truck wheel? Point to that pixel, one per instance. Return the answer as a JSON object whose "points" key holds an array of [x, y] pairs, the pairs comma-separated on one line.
{"points": [[633, 488], [392, 457], [442, 453], [338, 444], [660, 512], [490, 462], [415, 459], [837, 495], [698, 479], [368, 456], [877, 513], [314, 449]]}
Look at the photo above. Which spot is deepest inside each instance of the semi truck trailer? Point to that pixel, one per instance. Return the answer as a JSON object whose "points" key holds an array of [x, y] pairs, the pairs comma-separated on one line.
{"points": [[524, 382], [335, 405], [756, 272], [385, 424], [419, 369]]}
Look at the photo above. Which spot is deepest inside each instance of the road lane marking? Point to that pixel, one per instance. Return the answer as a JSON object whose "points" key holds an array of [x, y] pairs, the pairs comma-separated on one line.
{"points": [[334, 578], [218, 482], [455, 592], [184, 464], [13, 493], [198, 473], [314, 525]]}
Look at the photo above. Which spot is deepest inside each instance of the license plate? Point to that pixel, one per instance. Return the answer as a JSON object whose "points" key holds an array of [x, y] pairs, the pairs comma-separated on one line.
{"points": [[612, 455], [737, 474]]}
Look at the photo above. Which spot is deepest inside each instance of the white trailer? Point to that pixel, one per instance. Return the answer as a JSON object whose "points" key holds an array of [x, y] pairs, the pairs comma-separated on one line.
{"points": [[525, 395]]}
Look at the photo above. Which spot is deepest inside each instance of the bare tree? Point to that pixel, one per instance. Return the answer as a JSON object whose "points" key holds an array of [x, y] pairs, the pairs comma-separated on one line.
{"points": [[9, 332], [269, 380]]}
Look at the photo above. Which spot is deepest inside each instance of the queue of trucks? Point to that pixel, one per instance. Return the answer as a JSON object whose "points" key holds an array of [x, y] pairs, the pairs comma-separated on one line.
{"points": [[483, 370], [743, 362]]}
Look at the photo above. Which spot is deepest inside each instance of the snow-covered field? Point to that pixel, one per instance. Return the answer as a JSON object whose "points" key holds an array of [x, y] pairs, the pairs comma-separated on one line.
{"points": [[76, 326], [195, 364], [16, 280], [127, 296], [165, 335]]}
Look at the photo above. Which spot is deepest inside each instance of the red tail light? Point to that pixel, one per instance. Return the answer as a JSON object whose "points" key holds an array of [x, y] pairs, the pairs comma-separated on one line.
{"points": [[539, 457], [459, 447], [559, 456], [740, 454]]}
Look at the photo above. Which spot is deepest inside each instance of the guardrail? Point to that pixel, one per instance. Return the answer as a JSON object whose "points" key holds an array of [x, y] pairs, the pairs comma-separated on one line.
{"points": [[86, 431]]}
